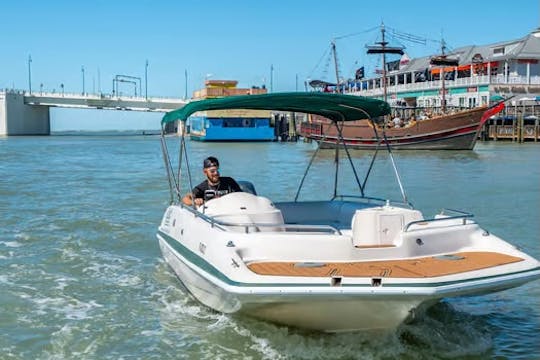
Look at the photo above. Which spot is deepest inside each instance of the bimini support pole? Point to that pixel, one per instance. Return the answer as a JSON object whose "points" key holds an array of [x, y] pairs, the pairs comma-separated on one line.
{"points": [[184, 150], [306, 172], [336, 162], [379, 140], [340, 137], [167, 163], [403, 194], [396, 172]]}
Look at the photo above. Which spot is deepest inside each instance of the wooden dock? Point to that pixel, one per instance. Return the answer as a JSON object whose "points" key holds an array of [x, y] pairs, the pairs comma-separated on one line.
{"points": [[517, 124]]}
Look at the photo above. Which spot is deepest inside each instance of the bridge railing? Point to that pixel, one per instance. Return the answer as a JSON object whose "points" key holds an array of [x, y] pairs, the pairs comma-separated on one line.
{"points": [[96, 96]]}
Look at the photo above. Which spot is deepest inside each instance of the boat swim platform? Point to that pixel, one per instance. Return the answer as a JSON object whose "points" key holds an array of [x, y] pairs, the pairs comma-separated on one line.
{"points": [[424, 267]]}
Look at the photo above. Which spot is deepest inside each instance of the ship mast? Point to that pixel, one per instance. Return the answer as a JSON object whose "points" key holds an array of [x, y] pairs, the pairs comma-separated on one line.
{"points": [[443, 61], [336, 68], [383, 49]]}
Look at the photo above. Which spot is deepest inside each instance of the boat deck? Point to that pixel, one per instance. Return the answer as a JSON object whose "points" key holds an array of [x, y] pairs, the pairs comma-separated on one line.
{"points": [[424, 267]]}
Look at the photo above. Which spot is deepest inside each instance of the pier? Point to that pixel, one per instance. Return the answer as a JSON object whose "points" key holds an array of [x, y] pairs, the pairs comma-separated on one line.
{"points": [[25, 113], [516, 124]]}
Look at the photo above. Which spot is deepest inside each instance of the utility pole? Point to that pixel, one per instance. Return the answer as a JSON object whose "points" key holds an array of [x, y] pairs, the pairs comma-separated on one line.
{"points": [[29, 74], [185, 87], [146, 80], [82, 71], [272, 78]]}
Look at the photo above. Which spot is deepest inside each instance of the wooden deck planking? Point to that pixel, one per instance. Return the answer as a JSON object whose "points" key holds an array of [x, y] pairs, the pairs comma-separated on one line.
{"points": [[431, 266]]}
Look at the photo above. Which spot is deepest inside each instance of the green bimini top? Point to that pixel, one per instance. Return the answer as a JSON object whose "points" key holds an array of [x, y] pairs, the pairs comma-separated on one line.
{"points": [[336, 107]]}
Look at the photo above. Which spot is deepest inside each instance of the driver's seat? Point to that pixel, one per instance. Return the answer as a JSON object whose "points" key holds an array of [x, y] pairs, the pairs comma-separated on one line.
{"points": [[247, 186]]}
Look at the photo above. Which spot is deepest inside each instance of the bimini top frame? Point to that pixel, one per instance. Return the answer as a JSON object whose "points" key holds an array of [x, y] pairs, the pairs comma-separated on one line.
{"points": [[336, 107]]}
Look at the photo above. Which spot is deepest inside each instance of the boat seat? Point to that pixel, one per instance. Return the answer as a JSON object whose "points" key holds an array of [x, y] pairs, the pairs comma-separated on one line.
{"points": [[334, 213], [247, 186]]}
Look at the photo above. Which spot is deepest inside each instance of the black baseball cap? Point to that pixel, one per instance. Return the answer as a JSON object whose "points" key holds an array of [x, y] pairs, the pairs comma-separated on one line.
{"points": [[210, 161]]}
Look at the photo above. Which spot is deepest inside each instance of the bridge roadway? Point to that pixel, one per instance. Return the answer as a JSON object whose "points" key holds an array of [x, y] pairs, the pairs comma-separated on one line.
{"points": [[24, 113], [102, 101]]}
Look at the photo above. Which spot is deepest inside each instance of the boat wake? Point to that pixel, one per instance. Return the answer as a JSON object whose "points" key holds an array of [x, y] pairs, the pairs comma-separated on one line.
{"points": [[445, 332], [441, 332]]}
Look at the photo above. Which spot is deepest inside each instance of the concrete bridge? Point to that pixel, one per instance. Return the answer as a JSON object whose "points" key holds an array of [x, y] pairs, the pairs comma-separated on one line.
{"points": [[23, 113]]}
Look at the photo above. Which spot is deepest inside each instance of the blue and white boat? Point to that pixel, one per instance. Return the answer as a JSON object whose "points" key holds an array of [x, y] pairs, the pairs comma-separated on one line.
{"points": [[252, 126], [230, 125]]}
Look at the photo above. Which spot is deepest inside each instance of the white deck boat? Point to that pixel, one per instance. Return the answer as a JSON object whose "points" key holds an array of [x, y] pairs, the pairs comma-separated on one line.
{"points": [[344, 264]]}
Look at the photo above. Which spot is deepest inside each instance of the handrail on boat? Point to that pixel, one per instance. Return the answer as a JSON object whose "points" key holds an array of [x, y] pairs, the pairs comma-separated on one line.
{"points": [[288, 227], [374, 199], [459, 215]]}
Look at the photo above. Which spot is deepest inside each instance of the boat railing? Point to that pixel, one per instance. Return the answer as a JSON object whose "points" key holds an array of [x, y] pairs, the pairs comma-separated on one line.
{"points": [[369, 200], [255, 227], [445, 215], [225, 226]]}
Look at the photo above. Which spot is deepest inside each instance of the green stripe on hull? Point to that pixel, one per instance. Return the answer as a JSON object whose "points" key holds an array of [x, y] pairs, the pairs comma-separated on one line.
{"points": [[205, 266]]}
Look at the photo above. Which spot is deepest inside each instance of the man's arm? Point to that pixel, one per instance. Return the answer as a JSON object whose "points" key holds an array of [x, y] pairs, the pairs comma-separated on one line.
{"points": [[188, 198]]}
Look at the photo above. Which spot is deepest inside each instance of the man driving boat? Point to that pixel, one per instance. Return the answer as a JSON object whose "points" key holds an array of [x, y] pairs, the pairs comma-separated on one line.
{"points": [[214, 186]]}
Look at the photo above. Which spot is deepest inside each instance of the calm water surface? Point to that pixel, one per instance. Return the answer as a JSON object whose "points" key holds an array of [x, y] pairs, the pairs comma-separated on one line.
{"points": [[81, 275]]}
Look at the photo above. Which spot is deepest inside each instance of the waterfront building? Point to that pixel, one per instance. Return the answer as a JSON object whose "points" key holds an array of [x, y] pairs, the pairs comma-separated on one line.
{"points": [[484, 72]]}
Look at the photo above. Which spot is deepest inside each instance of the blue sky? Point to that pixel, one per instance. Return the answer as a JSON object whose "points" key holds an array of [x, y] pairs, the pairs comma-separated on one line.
{"points": [[227, 39]]}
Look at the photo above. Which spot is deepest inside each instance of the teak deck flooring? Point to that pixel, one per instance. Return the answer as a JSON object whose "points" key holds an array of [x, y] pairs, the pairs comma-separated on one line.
{"points": [[431, 266]]}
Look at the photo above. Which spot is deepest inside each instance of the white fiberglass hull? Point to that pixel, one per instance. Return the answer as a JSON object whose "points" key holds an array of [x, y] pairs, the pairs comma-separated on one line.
{"points": [[325, 308], [332, 312], [264, 264]]}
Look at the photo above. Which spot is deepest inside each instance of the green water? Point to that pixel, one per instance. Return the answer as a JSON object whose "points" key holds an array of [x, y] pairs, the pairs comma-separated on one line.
{"points": [[81, 275]]}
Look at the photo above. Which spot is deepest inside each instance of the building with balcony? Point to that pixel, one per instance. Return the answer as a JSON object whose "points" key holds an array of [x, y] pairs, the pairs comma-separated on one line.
{"points": [[506, 68]]}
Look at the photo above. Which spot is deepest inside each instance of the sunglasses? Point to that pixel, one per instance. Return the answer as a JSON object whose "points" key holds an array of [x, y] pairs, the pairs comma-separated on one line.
{"points": [[213, 171]]}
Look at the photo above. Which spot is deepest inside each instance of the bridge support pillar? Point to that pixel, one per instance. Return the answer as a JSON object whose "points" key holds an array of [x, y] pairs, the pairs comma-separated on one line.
{"points": [[18, 118]]}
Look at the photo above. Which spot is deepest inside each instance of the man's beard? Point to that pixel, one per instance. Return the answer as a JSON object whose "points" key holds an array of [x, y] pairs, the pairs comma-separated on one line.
{"points": [[214, 179]]}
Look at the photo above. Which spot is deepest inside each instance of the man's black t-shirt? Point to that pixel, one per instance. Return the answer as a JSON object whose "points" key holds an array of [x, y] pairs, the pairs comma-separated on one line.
{"points": [[226, 185]]}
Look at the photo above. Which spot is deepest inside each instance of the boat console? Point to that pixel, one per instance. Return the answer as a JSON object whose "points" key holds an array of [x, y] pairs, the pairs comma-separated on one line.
{"points": [[236, 210], [380, 226]]}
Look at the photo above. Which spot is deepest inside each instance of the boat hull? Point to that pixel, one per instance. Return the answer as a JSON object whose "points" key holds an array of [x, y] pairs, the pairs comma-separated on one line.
{"points": [[457, 131], [315, 305], [323, 312], [247, 255], [463, 141], [231, 129]]}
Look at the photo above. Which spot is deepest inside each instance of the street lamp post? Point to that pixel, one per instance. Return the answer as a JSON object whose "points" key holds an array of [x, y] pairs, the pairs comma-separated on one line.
{"points": [[82, 71], [146, 80], [185, 84], [272, 78], [29, 74]]}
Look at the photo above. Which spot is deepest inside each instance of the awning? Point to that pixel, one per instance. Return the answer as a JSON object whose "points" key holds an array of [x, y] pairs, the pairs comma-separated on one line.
{"points": [[337, 107]]}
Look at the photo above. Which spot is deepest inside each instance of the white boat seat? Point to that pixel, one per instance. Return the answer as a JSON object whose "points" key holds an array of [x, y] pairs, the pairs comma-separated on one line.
{"points": [[247, 186], [334, 213]]}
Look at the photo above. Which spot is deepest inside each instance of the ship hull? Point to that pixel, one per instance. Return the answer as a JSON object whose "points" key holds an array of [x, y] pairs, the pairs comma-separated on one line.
{"points": [[457, 131]]}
